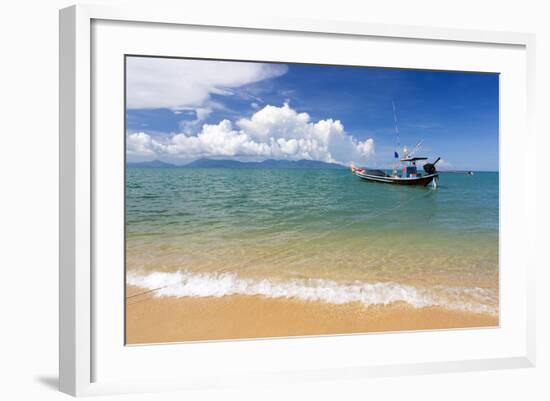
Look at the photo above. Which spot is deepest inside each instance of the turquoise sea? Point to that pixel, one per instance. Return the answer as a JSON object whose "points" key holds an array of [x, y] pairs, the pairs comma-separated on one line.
{"points": [[314, 235]]}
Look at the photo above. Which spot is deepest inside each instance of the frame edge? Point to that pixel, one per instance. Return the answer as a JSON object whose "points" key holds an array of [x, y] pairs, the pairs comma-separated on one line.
{"points": [[530, 47], [74, 201], [67, 112]]}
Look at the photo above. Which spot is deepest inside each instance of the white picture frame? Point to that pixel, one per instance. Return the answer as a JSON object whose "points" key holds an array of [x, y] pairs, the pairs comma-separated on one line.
{"points": [[79, 161]]}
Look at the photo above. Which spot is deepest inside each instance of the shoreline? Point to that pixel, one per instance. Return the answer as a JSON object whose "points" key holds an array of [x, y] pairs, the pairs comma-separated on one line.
{"points": [[151, 319]]}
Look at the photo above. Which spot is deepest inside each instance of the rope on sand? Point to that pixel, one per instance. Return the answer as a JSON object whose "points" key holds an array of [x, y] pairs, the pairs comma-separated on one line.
{"points": [[145, 292]]}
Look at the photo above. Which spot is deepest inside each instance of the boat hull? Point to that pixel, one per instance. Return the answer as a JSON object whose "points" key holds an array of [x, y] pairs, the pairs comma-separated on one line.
{"points": [[418, 181]]}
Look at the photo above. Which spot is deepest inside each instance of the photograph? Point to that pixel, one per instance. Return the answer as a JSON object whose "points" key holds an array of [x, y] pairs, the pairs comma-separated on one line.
{"points": [[279, 199]]}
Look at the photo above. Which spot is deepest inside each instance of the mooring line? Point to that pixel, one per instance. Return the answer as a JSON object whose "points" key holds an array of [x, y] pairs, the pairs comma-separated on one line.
{"points": [[146, 292]]}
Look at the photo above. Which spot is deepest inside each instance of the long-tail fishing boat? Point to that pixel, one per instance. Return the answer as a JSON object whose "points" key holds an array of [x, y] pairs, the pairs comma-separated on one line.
{"points": [[408, 175], [405, 172]]}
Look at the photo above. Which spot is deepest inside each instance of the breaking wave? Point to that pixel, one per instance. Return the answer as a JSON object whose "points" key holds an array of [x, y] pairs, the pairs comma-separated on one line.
{"points": [[191, 284]]}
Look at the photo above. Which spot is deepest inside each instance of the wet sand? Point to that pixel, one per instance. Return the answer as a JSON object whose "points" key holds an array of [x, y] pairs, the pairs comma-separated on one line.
{"points": [[151, 319]]}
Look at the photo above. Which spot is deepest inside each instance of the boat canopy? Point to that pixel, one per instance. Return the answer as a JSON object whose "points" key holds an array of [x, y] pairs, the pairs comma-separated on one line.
{"points": [[413, 159]]}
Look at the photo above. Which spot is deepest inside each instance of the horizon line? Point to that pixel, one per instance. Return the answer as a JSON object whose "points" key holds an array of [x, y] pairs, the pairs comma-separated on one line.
{"points": [[127, 162]]}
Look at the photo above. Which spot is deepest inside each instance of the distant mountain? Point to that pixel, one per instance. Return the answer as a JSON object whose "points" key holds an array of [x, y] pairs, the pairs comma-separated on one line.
{"points": [[270, 163], [213, 163], [217, 163], [151, 164]]}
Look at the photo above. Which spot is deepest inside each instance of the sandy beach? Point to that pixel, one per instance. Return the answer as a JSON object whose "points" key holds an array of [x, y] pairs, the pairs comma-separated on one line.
{"points": [[151, 319]]}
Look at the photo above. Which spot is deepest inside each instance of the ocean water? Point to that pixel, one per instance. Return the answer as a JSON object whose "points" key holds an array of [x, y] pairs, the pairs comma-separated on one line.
{"points": [[322, 235]]}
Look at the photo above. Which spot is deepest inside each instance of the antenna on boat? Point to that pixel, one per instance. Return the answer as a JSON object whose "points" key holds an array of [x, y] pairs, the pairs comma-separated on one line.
{"points": [[398, 142], [395, 125]]}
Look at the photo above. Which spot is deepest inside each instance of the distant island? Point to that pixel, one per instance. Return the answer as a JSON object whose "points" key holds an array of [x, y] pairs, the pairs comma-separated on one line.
{"points": [[222, 163], [151, 164]]}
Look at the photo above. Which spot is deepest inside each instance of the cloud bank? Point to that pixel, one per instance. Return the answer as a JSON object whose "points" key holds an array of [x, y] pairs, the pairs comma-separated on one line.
{"points": [[181, 84], [271, 133]]}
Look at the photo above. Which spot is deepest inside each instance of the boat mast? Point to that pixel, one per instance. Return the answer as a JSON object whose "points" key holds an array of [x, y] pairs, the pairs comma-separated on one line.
{"points": [[398, 141], [395, 125]]}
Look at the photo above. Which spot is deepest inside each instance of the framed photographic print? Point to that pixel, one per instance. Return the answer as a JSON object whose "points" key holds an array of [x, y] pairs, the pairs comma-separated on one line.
{"points": [[244, 220], [278, 200]]}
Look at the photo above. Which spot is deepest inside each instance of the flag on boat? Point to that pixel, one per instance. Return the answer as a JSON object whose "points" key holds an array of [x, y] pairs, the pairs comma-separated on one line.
{"points": [[396, 155]]}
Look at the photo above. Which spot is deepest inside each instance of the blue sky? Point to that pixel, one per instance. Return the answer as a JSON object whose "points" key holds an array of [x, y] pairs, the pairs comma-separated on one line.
{"points": [[176, 110]]}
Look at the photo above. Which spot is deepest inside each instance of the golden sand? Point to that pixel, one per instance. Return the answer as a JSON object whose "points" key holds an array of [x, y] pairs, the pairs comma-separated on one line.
{"points": [[152, 319]]}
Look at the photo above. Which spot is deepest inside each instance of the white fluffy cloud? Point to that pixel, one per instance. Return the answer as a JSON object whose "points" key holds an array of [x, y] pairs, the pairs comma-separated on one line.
{"points": [[271, 132], [181, 84]]}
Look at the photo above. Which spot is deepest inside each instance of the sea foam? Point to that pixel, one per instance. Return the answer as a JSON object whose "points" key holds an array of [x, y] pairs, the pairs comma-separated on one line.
{"points": [[192, 284]]}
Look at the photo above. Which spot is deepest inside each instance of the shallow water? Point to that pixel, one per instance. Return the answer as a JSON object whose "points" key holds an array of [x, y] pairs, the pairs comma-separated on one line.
{"points": [[314, 235]]}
